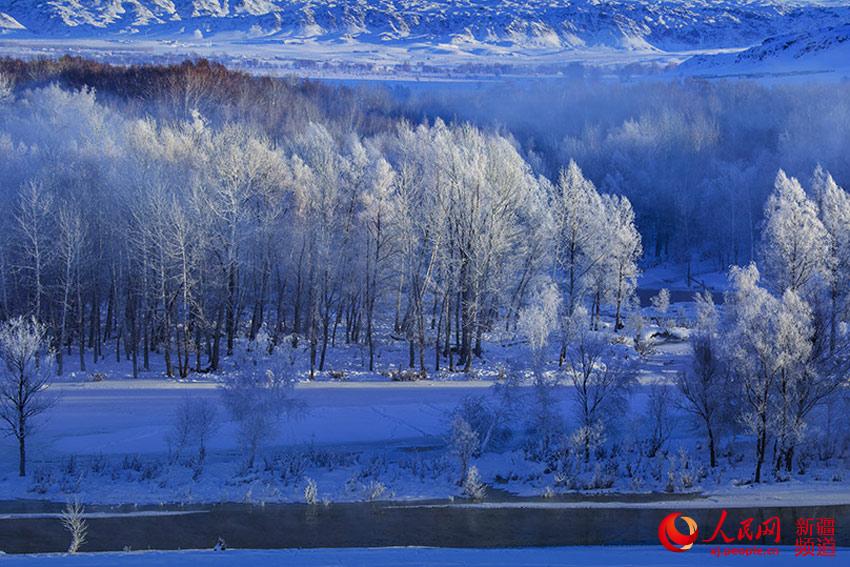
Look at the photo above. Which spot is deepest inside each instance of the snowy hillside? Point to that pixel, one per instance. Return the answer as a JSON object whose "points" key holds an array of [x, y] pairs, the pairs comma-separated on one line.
{"points": [[559, 24], [824, 50]]}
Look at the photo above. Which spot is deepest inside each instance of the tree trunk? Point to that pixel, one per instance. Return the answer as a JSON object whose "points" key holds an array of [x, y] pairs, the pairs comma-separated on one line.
{"points": [[22, 456], [326, 323], [231, 308], [761, 446], [215, 353], [81, 329], [369, 338], [712, 452], [147, 345]]}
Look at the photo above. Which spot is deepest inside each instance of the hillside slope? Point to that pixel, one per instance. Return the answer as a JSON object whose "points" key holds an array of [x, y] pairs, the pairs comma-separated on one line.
{"points": [[559, 24]]}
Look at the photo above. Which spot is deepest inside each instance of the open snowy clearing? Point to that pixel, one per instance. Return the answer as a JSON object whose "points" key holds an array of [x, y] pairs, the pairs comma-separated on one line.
{"points": [[564, 557], [351, 438]]}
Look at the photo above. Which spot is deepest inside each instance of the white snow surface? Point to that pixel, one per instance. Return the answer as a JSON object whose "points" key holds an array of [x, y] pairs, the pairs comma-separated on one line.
{"points": [[106, 442], [821, 51]]}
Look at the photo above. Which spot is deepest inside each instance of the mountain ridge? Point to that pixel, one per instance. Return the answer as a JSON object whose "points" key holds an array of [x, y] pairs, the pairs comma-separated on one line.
{"points": [[557, 24], [818, 50]]}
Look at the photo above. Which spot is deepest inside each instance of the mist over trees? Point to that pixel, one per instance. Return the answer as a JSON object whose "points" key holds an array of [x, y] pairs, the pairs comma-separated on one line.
{"points": [[695, 158]]}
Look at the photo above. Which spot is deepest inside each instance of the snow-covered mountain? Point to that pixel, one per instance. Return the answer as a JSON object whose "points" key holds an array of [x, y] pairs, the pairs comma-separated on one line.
{"points": [[560, 24], [823, 50]]}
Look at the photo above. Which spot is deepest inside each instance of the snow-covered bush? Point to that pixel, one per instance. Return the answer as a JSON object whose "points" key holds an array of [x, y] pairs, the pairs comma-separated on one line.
{"points": [[375, 490], [602, 478], [587, 439], [641, 338], [661, 302], [42, 480], [311, 492], [407, 375], [465, 444], [74, 521], [472, 486], [566, 478], [670, 485]]}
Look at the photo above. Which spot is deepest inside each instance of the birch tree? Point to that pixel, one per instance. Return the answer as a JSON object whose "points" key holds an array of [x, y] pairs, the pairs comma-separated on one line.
{"points": [[24, 350]]}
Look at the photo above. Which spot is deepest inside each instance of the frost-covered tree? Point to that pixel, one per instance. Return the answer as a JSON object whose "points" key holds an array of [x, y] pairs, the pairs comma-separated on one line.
{"points": [[195, 420], [465, 444], [767, 343], [539, 320], [33, 218], [74, 521], [242, 165], [377, 202], [601, 374], [658, 422], [579, 215], [624, 249], [795, 244], [6, 88], [536, 322], [70, 251], [834, 207], [782, 342], [323, 211], [705, 386], [257, 401], [27, 366]]}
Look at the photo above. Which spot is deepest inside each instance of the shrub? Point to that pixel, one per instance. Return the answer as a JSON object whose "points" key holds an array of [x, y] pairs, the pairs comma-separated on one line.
{"points": [[257, 402], [73, 521], [311, 492], [407, 375], [472, 486], [375, 491], [464, 444], [195, 420]]}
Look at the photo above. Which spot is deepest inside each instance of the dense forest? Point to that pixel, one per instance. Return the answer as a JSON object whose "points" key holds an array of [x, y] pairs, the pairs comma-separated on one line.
{"points": [[144, 222], [175, 209]]}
